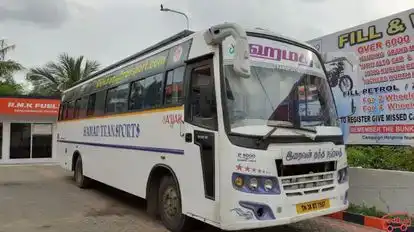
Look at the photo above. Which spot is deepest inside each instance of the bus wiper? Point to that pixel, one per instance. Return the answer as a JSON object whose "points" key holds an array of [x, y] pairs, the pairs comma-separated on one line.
{"points": [[310, 133]]}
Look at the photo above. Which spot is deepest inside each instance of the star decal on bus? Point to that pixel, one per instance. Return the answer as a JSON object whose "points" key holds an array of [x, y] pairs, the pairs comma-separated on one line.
{"points": [[248, 169]]}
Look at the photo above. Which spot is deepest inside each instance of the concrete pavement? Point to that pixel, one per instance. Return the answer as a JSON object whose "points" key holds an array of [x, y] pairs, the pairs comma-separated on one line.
{"points": [[44, 198]]}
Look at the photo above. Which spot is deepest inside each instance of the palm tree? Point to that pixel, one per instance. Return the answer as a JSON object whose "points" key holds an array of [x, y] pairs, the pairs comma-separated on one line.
{"points": [[7, 67], [8, 85], [56, 77]]}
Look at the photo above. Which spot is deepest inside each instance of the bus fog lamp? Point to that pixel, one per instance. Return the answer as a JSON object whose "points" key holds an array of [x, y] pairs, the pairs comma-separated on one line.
{"points": [[253, 183], [239, 181], [268, 185]]}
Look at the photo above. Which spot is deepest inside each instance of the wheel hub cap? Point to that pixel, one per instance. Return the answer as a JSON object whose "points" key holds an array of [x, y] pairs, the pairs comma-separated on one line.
{"points": [[171, 202]]}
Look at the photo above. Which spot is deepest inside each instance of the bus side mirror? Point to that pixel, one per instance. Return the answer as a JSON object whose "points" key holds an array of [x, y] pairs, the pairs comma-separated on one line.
{"points": [[215, 36], [207, 102], [241, 64]]}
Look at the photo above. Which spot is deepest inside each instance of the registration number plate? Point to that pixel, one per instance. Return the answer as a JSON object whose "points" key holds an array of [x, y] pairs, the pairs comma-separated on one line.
{"points": [[312, 206]]}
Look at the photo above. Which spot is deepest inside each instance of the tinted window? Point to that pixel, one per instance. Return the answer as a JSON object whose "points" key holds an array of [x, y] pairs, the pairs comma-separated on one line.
{"points": [[203, 110], [117, 99], [83, 107], [61, 110], [77, 108], [100, 103], [146, 93], [70, 110], [174, 86], [90, 110]]}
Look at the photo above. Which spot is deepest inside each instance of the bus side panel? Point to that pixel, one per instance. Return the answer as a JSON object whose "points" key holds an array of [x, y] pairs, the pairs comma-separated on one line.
{"points": [[124, 159], [62, 149]]}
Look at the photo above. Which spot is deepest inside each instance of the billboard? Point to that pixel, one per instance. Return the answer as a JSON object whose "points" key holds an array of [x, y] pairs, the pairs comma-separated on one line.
{"points": [[29, 106], [374, 86]]}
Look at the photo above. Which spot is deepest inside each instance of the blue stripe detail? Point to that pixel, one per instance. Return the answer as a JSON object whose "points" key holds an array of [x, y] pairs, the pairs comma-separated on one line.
{"points": [[128, 147]]}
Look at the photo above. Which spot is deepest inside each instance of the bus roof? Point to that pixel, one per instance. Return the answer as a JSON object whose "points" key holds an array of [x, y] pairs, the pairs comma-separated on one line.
{"points": [[174, 38], [154, 47]]}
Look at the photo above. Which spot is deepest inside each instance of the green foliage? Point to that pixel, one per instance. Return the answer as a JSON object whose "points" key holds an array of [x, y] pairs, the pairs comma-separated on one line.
{"points": [[381, 157], [8, 85], [56, 77], [365, 210], [10, 89]]}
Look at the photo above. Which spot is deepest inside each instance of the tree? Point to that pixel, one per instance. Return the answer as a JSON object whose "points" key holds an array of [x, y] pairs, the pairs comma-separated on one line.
{"points": [[8, 85], [55, 77]]}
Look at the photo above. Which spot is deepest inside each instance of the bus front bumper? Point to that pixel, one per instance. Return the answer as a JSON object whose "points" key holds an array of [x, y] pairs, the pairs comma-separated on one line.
{"points": [[253, 224]]}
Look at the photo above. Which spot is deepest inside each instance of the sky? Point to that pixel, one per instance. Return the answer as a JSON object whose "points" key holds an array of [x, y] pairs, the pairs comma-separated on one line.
{"points": [[110, 30]]}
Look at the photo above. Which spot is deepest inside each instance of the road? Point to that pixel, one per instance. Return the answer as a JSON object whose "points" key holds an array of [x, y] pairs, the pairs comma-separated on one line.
{"points": [[44, 198]]}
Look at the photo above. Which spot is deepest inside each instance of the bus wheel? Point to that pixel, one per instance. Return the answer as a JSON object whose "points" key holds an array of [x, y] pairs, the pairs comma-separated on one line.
{"points": [[170, 206], [80, 180]]}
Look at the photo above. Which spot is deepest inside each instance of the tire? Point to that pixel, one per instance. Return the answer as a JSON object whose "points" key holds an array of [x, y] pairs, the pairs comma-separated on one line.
{"points": [[170, 211], [342, 81], [80, 180]]}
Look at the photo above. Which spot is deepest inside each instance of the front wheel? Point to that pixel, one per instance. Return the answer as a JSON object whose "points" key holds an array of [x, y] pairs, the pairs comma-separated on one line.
{"points": [[170, 206], [80, 180]]}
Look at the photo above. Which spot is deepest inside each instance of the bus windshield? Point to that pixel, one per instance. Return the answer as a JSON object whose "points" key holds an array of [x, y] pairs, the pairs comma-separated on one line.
{"points": [[278, 91]]}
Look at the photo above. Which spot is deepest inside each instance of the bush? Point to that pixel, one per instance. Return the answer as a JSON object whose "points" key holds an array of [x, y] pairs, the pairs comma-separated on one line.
{"points": [[365, 210], [381, 157]]}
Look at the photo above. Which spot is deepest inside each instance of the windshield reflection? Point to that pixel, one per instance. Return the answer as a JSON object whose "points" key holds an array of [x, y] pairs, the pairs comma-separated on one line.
{"points": [[302, 100]]}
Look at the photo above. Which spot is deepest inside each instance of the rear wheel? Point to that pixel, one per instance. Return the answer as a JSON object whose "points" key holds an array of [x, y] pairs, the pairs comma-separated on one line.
{"points": [[170, 206], [80, 180]]}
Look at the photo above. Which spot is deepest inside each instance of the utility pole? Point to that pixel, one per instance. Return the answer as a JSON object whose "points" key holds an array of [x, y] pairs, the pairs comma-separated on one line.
{"points": [[176, 12]]}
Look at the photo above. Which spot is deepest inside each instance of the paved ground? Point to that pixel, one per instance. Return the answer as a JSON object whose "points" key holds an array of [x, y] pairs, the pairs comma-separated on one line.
{"points": [[44, 198]]}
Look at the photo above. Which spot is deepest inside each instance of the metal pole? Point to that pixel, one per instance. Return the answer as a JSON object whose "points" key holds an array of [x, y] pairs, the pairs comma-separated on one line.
{"points": [[177, 12]]}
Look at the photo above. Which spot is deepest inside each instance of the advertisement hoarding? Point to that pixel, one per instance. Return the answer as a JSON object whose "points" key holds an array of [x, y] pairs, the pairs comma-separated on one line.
{"points": [[29, 106], [374, 91]]}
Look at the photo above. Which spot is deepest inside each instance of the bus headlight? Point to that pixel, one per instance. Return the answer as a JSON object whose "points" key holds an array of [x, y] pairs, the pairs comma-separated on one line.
{"points": [[268, 185], [253, 183]]}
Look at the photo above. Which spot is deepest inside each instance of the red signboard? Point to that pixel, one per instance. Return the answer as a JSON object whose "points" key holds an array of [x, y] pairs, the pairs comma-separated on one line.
{"points": [[29, 106]]}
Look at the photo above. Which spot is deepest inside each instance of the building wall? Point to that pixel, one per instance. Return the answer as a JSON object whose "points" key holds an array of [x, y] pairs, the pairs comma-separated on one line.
{"points": [[7, 120], [388, 191]]}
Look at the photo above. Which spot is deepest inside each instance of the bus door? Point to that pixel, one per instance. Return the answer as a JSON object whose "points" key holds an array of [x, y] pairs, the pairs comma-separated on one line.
{"points": [[200, 133]]}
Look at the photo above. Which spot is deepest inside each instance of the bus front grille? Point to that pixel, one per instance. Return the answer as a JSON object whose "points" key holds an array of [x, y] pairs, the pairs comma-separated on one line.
{"points": [[308, 184], [305, 179]]}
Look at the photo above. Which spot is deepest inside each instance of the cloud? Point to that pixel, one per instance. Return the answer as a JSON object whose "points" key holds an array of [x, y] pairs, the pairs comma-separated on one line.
{"points": [[46, 13], [109, 30]]}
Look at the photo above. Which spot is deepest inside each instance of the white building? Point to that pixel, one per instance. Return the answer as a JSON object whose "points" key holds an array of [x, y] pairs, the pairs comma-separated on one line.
{"points": [[28, 126]]}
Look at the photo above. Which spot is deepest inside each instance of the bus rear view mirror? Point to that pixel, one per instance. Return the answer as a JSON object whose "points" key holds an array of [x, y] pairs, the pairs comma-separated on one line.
{"points": [[215, 36]]}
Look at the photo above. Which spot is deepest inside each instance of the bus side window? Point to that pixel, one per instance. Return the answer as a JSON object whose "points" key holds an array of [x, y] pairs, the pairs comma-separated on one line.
{"points": [[69, 110], [117, 99], [83, 107], [202, 94], [100, 103], [61, 110], [65, 111], [174, 86], [77, 108], [90, 108], [146, 93]]}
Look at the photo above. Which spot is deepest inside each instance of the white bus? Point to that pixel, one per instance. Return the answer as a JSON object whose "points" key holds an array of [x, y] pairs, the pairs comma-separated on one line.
{"points": [[206, 125]]}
